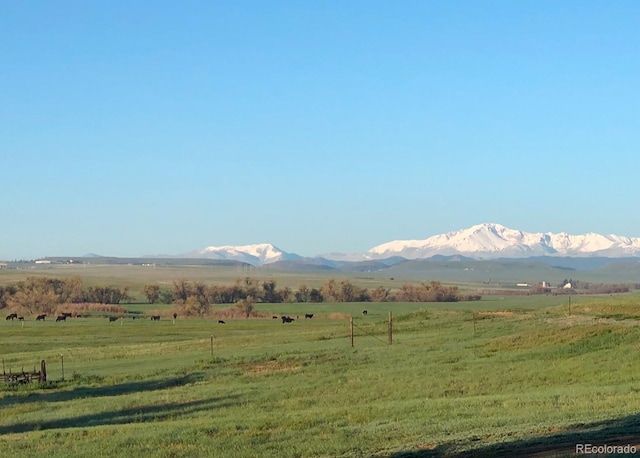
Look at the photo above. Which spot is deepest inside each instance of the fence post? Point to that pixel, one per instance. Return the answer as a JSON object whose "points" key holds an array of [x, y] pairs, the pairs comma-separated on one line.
{"points": [[390, 327], [62, 360], [212, 345], [351, 329]]}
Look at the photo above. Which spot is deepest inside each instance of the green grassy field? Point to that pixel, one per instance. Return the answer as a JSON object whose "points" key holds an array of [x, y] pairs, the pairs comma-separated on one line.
{"points": [[137, 276], [506, 376]]}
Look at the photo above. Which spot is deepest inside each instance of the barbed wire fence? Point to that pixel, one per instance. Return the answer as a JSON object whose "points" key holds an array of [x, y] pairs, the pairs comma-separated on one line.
{"points": [[367, 331]]}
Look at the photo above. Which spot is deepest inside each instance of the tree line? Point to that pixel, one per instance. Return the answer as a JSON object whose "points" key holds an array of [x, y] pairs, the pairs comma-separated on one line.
{"points": [[196, 298], [44, 295]]}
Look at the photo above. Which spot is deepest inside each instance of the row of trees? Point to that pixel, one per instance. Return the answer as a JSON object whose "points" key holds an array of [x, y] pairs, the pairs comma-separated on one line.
{"points": [[596, 288], [195, 298], [583, 287], [44, 295]]}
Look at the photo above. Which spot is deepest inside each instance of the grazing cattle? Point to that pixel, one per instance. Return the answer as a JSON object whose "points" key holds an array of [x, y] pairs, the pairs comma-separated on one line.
{"points": [[21, 318], [287, 319], [155, 317], [41, 317], [11, 316], [175, 315], [220, 322], [275, 317], [61, 318], [364, 312], [112, 319], [67, 314], [308, 315]]}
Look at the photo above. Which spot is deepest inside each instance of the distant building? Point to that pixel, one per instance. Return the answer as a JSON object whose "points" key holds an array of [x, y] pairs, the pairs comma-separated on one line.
{"points": [[43, 261], [567, 286]]}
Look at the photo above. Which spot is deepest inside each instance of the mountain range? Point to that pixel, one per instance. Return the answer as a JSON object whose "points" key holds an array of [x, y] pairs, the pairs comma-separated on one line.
{"points": [[480, 242], [258, 254]]}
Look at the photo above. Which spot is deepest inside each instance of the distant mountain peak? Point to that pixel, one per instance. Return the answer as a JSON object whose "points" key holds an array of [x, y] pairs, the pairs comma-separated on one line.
{"points": [[256, 254], [492, 240]]}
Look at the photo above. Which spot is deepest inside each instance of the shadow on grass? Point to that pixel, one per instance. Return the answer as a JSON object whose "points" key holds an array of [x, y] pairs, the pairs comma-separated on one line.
{"points": [[614, 432], [141, 414], [99, 391]]}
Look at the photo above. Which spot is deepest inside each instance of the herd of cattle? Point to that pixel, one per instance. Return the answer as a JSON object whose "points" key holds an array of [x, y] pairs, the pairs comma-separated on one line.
{"points": [[64, 315]]}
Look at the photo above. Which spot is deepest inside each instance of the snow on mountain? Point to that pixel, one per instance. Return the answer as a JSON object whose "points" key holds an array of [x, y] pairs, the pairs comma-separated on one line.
{"points": [[482, 241], [486, 241], [258, 254]]}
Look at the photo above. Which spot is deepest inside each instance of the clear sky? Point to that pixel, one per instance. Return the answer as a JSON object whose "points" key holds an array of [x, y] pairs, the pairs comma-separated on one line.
{"points": [[157, 127]]}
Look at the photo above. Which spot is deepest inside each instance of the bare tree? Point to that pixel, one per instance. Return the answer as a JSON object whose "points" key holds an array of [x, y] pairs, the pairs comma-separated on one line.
{"points": [[246, 306]]}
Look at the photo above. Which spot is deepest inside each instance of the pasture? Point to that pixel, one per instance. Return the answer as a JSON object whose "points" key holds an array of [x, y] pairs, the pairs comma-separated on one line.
{"points": [[510, 376]]}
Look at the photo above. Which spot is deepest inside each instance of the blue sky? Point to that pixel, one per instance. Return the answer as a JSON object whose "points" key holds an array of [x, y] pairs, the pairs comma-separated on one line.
{"points": [[134, 128]]}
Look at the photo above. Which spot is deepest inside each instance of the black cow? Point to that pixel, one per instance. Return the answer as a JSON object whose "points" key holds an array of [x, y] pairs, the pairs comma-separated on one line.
{"points": [[155, 317], [11, 316], [67, 314], [308, 315], [175, 315], [287, 319], [220, 322], [61, 318], [21, 318], [112, 319], [41, 317], [275, 317], [364, 312]]}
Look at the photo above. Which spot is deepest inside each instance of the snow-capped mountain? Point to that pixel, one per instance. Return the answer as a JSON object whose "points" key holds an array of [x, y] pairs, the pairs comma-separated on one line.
{"points": [[482, 241], [262, 253], [486, 241]]}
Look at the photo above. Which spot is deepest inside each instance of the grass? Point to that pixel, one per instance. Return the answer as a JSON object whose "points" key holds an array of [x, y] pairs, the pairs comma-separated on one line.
{"points": [[502, 377], [136, 276]]}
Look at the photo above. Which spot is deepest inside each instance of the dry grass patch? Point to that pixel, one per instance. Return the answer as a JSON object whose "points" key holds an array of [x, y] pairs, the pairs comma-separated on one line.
{"points": [[270, 367], [75, 309], [578, 320], [233, 313], [571, 320], [503, 313], [338, 316]]}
